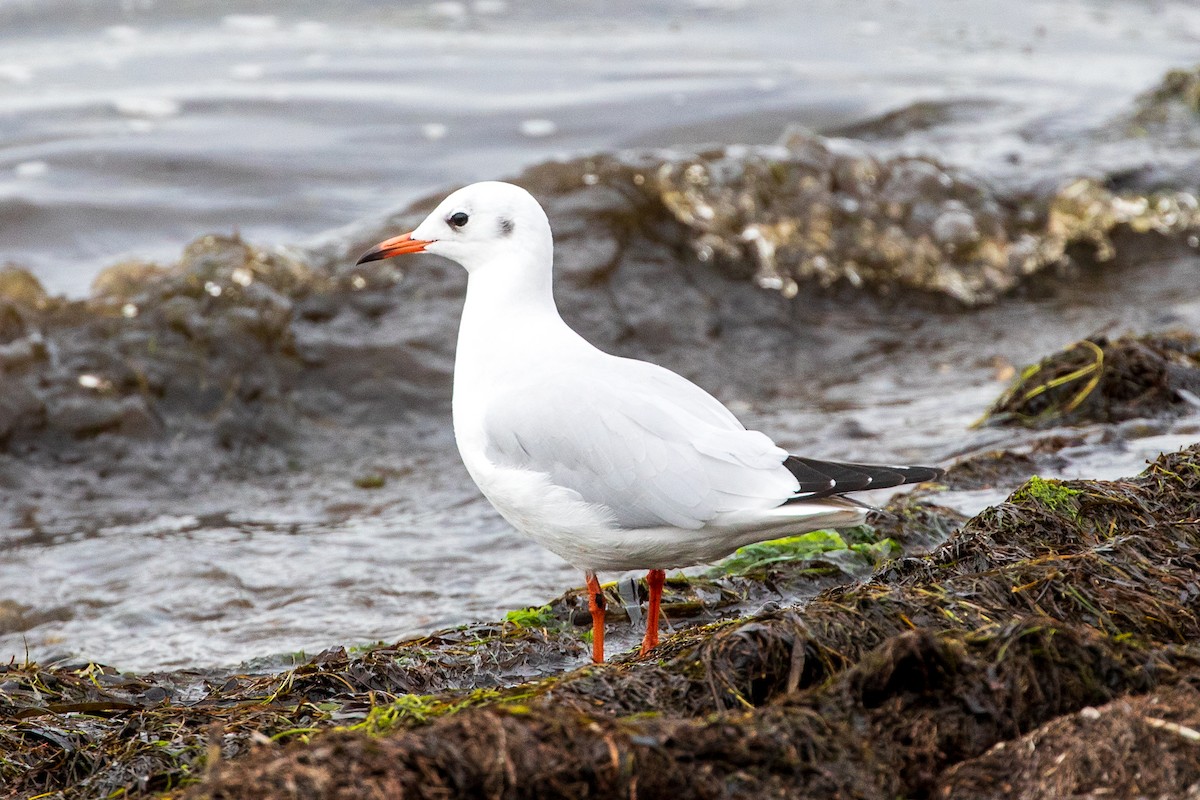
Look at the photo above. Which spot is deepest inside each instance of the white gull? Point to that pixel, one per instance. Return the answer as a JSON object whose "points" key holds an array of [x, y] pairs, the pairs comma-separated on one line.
{"points": [[609, 462]]}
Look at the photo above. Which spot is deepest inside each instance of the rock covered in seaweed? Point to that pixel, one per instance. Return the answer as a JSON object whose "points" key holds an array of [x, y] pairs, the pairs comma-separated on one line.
{"points": [[827, 211], [1105, 380], [214, 339]]}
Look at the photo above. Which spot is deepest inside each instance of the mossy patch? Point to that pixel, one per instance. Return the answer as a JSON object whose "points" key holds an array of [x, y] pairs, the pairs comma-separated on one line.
{"points": [[1054, 495], [532, 617]]}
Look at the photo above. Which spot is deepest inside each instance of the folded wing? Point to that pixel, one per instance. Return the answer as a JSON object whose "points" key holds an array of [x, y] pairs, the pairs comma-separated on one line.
{"points": [[652, 448]]}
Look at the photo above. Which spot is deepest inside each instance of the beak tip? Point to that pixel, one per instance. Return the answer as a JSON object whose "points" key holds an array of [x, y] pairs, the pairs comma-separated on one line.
{"points": [[400, 245]]}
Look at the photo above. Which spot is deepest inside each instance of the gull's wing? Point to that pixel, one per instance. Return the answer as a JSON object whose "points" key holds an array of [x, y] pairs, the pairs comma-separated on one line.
{"points": [[639, 440]]}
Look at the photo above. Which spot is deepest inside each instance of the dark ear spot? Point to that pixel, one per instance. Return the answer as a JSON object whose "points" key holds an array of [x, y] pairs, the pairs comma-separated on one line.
{"points": [[506, 226]]}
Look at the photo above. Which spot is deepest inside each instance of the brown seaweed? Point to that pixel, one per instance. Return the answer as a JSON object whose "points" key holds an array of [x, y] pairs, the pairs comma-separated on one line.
{"points": [[1105, 380]]}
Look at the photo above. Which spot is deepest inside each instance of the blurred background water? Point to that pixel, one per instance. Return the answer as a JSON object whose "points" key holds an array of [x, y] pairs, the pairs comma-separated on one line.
{"points": [[128, 127]]}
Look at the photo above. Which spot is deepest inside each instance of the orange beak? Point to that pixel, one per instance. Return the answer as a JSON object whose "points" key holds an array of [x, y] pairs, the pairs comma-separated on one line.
{"points": [[398, 246]]}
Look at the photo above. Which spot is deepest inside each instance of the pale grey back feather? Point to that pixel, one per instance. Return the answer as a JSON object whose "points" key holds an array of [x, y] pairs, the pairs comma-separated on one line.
{"points": [[649, 446]]}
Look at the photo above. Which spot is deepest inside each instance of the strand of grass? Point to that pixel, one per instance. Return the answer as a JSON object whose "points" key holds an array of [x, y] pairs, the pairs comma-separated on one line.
{"points": [[1095, 369], [1070, 377]]}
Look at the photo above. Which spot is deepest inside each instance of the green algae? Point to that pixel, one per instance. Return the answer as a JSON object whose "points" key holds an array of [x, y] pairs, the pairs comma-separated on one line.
{"points": [[828, 547], [532, 617], [1054, 495], [406, 710], [413, 710]]}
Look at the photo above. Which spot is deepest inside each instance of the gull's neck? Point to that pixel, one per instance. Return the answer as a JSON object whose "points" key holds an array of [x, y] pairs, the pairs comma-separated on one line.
{"points": [[509, 309], [511, 287]]}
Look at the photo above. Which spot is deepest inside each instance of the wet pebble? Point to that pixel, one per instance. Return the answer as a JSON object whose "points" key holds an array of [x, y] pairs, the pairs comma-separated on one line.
{"points": [[955, 228]]}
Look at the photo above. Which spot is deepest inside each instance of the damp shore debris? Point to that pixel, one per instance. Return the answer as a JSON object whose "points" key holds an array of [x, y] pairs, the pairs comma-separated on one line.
{"points": [[1069, 597], [1106, 380]]}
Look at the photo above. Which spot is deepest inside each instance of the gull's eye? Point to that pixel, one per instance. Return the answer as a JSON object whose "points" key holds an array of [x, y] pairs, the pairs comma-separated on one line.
{"points": [[458, 219]]}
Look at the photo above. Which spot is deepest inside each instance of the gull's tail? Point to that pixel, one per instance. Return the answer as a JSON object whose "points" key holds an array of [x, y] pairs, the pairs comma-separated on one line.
{"points": [[831, 478]]}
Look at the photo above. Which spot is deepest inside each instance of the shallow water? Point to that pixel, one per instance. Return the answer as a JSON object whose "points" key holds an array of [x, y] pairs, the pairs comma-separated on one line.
{"points": [[129, 132]]}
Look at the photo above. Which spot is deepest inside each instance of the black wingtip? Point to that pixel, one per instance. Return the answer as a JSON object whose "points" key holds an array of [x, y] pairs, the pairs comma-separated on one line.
{"points": [[815, 476]]}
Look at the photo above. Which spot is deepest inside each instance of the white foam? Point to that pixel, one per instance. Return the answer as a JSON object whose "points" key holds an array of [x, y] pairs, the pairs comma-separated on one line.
{"points": [[250, 23], [434, 131], [538, 128], [247, 72], [15, 73], [31, 169], [310, 27], [146, 107], [122, 33], [448, 10]]}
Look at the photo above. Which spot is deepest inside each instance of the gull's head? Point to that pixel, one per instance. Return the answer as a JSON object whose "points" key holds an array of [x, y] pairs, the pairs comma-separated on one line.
{"points": [[480, 224]]}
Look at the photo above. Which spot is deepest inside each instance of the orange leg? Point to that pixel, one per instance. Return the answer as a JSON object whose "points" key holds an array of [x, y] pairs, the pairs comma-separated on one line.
{"points": [[596, 606], [655, 579]]}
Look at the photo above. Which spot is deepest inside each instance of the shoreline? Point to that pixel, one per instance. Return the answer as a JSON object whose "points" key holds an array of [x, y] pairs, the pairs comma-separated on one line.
{"points": [[1063, 598]]}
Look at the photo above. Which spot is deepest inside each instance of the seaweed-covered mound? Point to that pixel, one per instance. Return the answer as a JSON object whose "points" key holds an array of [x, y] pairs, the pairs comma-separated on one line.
{"points": [[220, 337], [1068, 596], [881, 729], [1146, 746], [89, 729], [816, 210], [1105, 380]]}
